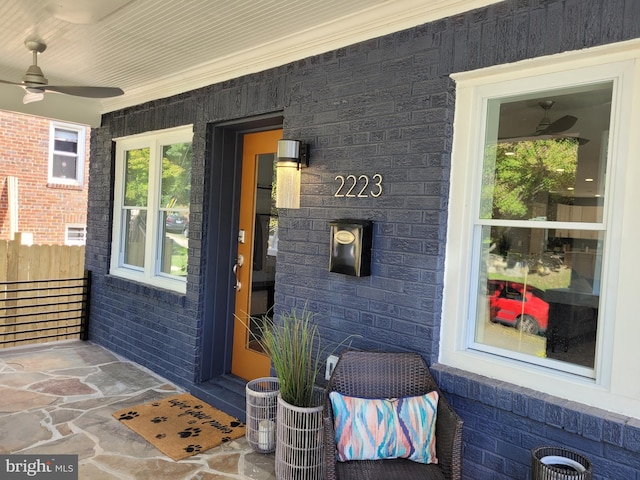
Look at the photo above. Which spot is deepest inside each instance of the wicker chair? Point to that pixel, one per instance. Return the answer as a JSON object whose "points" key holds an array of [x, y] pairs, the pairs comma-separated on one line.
{"points": [[389, 375]]}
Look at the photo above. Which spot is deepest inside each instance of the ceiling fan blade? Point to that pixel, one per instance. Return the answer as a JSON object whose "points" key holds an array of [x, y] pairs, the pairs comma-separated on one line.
{"points": [[560, 125], [90, 92], [30, 97], [10, 83]]}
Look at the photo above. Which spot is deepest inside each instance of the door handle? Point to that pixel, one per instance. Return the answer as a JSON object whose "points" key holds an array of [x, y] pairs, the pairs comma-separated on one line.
{"points": [[239, 263]]}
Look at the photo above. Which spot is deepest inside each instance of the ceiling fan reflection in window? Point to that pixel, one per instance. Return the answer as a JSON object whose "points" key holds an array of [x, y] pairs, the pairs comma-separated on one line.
{"points": [[548, 129], [35, 83]]}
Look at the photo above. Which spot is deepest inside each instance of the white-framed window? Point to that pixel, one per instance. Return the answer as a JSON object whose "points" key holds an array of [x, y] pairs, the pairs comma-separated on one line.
{"points": [[75, 235], [542, 240], [151, 208], [66, 153]]}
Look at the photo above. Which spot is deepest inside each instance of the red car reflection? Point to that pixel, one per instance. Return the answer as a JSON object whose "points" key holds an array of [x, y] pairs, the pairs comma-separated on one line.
{"points": [[507, 306]]}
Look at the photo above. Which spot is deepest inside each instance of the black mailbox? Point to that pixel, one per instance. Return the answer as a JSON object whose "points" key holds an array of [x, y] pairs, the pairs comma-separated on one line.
{"points": [[351, 247]]}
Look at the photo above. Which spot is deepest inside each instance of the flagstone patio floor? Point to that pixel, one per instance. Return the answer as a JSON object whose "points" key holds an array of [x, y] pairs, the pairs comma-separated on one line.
{"points": [[57, 398]]}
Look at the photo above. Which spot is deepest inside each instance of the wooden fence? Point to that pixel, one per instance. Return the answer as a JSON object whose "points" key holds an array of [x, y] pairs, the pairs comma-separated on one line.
{"points": [[43, 293], [39, 262]]}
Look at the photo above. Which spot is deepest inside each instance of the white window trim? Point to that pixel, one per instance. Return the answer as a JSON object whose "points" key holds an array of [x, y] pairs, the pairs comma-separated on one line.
{"points": [[614, 387], [150, 274], [81, 156]]}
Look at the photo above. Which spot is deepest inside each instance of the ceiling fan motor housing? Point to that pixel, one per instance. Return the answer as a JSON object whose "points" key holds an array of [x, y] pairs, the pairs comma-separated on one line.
{"points": [[545, 122], [34, 77]]}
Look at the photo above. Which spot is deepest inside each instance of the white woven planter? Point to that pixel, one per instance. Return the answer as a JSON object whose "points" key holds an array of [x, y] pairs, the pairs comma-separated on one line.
{"points": [[262, 405], [299, 440]]}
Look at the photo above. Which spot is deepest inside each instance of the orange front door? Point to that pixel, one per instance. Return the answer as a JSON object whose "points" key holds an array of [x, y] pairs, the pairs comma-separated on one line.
{"points": [[255, 266]]}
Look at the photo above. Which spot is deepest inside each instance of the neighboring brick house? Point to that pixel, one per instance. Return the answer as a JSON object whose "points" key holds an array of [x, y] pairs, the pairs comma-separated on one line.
{"points": [[49, 162]]}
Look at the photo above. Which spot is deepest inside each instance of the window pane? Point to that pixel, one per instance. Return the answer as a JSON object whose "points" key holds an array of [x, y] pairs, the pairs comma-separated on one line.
{"points": [[175, 196], [65, 147], [265, 249], [64, 167], [134, 237], [66, 135], [176, 176], [136, 186], [175, 244], [66, 141], [76, 235], [539, 292], [545, 152]]}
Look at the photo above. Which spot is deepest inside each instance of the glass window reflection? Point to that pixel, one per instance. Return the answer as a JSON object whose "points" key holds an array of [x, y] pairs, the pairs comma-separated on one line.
{"points": [[540, 225]]}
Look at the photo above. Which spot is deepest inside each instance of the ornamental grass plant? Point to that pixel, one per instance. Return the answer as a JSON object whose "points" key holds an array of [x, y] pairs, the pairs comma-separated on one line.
{"points": [[294, 347]]}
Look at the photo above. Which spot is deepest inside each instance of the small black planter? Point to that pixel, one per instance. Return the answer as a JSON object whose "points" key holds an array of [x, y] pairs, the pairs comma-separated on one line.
{"points": [[558, 463]]}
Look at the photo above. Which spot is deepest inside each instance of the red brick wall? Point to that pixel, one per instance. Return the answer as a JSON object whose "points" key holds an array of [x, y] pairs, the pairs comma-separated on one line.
{"points": [[43, 209]]}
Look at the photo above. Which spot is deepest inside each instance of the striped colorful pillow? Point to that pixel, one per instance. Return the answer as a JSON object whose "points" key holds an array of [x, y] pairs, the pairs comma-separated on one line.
{"points": [[375, 429]]}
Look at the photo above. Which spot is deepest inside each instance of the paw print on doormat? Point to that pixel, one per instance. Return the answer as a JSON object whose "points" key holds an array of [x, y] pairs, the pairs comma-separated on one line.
{"points": [[159, 419], [226, 439], [190, 432], [128, 416], [193, 448], [236, 424], [160, 436]]}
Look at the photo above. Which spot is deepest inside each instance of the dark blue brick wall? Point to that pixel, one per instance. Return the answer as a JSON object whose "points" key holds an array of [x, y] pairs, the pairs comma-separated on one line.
{"points": [[503, 423], [381, 106]]}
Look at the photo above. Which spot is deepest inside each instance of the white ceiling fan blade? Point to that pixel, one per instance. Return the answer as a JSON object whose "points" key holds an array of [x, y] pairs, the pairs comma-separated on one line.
{"points": [[30, 97]]}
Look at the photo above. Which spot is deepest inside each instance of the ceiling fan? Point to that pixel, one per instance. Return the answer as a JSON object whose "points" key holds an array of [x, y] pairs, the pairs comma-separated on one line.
{"points": [[556, 128], [545, 127], [35, 83]]}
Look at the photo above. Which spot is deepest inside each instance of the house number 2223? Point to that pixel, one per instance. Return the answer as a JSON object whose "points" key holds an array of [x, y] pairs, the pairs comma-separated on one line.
{"points": [[362, 186]]}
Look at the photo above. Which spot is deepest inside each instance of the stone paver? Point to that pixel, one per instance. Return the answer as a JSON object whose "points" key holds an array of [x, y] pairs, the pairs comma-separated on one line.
{"points": [[58, 399]]}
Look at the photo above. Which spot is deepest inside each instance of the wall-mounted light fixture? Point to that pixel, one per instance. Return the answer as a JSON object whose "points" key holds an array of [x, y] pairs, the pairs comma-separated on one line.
{"points": [[292, 156]]}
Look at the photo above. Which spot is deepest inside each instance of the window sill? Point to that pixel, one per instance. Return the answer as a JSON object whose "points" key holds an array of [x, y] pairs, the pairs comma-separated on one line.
{"points": [[64, 186]]}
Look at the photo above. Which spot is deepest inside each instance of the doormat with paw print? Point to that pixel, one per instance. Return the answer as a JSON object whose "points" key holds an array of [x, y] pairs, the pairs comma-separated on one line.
{"points": [[181, 426]]}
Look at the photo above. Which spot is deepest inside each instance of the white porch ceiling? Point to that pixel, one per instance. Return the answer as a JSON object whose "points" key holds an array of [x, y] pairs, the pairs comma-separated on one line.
{"points": [[158, 48]]}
